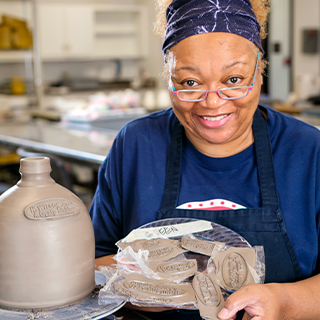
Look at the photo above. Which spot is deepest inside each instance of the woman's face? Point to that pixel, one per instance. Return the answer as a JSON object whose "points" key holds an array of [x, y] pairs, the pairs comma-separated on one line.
{"points": [[213, 61]]}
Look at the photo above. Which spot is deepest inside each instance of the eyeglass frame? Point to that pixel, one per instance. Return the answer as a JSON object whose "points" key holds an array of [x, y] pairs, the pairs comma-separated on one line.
{"points": [[250, 88]]}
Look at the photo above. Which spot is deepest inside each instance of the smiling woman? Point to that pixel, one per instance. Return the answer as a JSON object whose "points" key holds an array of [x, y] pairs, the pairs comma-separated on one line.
{"points": [[216, 126], [219, 155]]}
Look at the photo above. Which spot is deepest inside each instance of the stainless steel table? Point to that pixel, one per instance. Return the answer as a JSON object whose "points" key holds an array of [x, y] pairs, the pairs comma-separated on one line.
{"points": [[79, 143]]}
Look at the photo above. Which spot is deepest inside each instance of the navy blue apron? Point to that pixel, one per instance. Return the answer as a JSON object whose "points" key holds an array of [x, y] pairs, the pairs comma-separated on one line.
{"points": [[259, 226]]}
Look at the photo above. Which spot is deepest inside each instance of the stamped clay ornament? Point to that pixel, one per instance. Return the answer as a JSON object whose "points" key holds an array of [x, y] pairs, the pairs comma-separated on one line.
{"points": [[46, 242]]}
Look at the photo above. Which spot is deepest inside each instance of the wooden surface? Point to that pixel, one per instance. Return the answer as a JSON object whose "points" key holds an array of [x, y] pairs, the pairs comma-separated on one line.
{"points": [[286, 108]]}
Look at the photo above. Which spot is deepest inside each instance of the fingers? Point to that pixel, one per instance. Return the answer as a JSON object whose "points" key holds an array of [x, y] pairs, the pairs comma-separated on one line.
{"points": [[260, 301], [225, 314], [242, 299], [246, 317]]}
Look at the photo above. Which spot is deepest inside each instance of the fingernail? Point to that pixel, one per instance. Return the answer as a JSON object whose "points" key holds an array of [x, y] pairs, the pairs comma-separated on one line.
{"points": [[223, 313]]}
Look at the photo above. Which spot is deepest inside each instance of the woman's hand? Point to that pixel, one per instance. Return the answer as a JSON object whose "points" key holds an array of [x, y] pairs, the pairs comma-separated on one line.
{"points": [[104, 261], [260, 302], [274, 301]]}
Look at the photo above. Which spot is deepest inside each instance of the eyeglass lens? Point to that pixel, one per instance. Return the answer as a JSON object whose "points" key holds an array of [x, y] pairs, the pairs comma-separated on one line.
{"points": [[225, 93]]}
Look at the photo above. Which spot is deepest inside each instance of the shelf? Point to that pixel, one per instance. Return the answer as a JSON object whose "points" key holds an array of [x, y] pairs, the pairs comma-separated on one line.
{"points": [[70, 58], [96, 57], [103, 30], [118, 30], [7, 56]]}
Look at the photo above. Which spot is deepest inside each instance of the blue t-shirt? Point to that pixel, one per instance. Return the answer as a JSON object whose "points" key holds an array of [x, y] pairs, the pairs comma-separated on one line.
{"points": [[131, 181]]}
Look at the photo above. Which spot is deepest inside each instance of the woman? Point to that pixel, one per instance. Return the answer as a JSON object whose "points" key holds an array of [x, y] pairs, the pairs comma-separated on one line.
{"points": [[220, 156]]}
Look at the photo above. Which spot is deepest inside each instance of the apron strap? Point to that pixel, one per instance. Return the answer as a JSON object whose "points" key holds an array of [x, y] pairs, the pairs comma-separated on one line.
{"points": [[172, 182], [264, 161]]}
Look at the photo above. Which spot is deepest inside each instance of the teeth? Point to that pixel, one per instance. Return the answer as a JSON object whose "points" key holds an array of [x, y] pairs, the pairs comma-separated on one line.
{"points": [[214, 118]]}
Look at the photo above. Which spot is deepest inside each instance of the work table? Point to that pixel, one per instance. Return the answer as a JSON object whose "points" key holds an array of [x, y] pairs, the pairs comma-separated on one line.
{"points": [[86, 144]]}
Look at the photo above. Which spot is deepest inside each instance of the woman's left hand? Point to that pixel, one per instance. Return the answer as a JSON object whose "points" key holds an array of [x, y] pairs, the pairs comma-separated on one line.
{"points": [[260, 302]]}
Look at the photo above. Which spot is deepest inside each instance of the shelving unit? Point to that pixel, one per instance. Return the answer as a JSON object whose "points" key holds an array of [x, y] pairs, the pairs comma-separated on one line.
{"points": [[31, 57], [84, 30], [21, 9]]}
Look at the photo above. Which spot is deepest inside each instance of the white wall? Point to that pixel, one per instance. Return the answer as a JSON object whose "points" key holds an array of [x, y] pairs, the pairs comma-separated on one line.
{"points": [[154, 63], [306, 67], [278, 33], [304, 77]]}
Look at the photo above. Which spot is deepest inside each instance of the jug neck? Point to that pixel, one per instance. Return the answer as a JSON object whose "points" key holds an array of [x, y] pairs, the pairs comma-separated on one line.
{"points": [[35, 172], [35, 180]]}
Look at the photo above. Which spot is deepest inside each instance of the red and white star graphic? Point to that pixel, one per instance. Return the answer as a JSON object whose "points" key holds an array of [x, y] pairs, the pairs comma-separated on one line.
{"points": [[214, 205]]}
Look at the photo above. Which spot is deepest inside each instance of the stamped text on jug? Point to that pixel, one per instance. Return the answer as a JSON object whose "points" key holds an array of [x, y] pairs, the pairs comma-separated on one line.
{"points": [[51, 209]]}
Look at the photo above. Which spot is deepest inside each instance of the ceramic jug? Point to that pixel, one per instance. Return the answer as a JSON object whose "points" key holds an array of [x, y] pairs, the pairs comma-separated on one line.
{"points": [[46, 242]]}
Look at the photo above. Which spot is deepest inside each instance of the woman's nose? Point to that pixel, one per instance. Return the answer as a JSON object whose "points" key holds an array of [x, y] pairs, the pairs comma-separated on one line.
{"points": [[213, 100]]}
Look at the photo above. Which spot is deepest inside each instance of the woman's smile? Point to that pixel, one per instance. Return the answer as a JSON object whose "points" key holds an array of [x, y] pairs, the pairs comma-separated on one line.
{"points": [[215, 121]]}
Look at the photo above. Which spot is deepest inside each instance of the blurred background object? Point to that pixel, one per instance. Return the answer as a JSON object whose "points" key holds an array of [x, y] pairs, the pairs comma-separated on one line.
{"points": [[17, 86], [14, 33]]}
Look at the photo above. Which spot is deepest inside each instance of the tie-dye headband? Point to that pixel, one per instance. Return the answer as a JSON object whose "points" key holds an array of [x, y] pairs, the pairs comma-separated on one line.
{"points": [[188, 18]]}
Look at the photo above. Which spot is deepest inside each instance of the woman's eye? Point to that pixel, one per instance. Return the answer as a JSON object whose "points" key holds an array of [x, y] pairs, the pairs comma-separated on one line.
{"points": [[234, 80], [190, 83]]}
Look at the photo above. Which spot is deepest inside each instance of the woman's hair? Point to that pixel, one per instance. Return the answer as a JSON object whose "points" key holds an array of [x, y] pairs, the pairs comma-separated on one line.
{"points": [[161, 22], [261, 9]]}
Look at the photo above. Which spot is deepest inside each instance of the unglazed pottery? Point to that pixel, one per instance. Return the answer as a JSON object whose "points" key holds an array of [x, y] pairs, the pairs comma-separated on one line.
{"points": [[46, 242], [234, 267], [144, 290], [209, 297]]}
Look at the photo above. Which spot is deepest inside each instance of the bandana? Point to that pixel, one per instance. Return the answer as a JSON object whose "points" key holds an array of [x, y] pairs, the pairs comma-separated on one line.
{"points": [[188, 18]]}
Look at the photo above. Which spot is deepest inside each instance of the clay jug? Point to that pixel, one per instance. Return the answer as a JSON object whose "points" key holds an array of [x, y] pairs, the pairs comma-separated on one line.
{"points": [[46, 242]]}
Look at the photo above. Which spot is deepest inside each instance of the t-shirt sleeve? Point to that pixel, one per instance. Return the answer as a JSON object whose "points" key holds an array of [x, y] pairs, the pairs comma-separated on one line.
{"points": [[105, 210], [317, 187]]}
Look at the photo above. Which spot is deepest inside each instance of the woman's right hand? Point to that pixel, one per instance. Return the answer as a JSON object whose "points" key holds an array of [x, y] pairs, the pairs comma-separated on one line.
{"points": [[260, 302]]}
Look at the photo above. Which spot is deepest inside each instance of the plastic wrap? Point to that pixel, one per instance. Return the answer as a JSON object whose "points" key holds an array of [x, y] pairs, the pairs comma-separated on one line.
{"points": [[233, 267], [142, 291], [192, 268]]}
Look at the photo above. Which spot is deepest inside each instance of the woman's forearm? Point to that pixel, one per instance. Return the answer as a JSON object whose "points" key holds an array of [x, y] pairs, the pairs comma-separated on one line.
{"points": [[303, 299]]}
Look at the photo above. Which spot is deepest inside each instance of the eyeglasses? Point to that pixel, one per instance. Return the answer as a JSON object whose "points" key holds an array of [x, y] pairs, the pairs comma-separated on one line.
{"points": [[231, 93]]}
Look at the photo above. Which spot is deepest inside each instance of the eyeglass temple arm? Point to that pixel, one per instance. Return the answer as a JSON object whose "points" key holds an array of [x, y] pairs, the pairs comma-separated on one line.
{"points": [[172, 87], [255, 70]]}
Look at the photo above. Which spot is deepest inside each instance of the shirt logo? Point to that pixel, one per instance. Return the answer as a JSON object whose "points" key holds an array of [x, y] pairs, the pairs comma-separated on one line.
{"points": [[213, 205]]}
